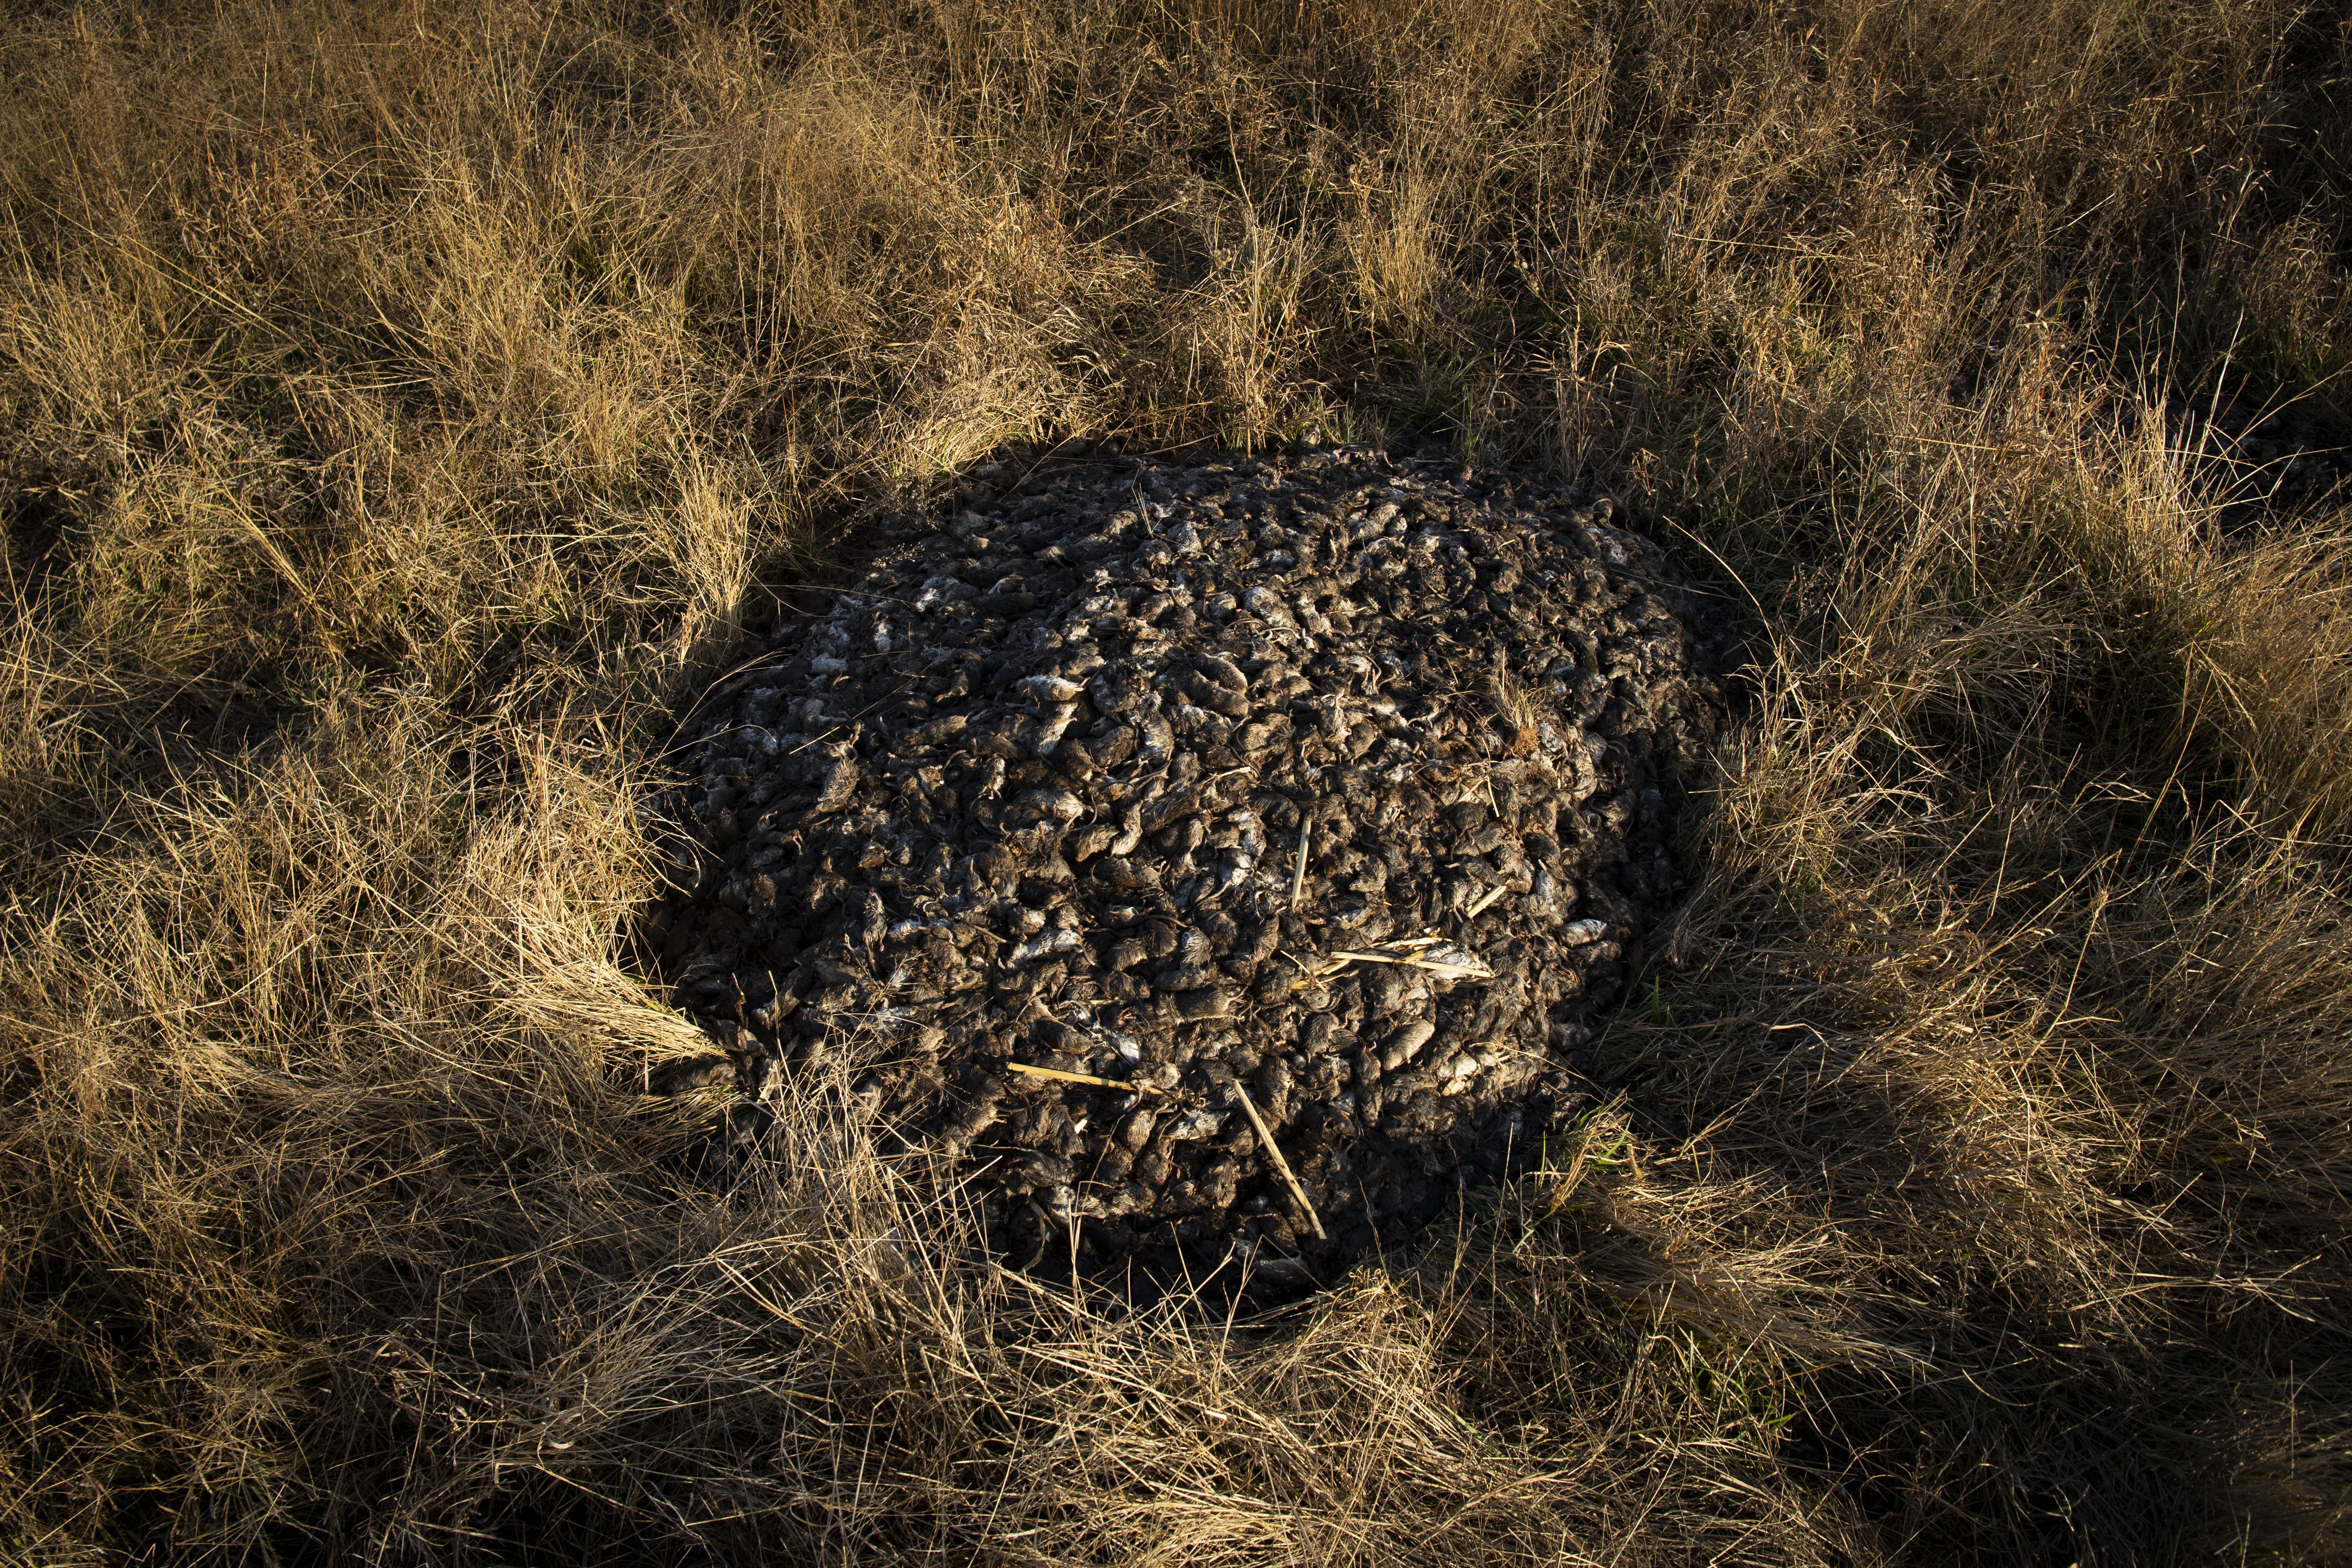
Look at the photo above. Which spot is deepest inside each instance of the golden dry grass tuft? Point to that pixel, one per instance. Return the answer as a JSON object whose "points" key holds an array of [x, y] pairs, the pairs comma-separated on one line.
{"points": [[402, 408]]}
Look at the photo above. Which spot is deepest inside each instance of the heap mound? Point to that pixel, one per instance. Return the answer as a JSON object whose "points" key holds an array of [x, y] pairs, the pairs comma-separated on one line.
{"points": [[1031, 795]]}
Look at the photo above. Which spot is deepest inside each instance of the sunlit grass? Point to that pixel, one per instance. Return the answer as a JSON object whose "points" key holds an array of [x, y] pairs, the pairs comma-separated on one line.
{"points": [[404, 411]]}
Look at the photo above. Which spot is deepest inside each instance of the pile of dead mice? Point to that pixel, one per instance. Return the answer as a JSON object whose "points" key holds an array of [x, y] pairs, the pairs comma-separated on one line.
{"points": [[1203, 858]]}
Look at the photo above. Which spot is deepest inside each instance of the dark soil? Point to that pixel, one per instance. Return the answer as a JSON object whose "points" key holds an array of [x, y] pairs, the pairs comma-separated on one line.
{"points": [[2268, 464], [1032, 791]]}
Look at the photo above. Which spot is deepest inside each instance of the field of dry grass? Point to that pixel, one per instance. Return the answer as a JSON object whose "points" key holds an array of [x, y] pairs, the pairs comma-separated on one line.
{"points": [[403, 407]]}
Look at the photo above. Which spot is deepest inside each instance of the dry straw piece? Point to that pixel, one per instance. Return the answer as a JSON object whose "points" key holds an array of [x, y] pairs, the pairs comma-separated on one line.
{"points": [[1299, 874], [1455, 963], [1273, 1153], [1058, 1076]]}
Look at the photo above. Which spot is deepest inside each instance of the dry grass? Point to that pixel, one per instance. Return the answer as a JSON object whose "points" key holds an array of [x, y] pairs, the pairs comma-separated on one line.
{"points": [[401, 407]]}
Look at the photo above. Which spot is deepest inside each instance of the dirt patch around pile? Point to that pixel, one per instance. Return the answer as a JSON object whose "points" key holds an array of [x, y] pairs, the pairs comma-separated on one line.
{"points": [[1206, 861]]}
